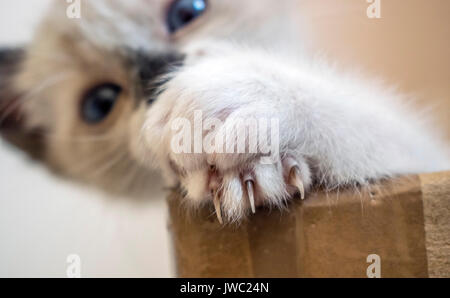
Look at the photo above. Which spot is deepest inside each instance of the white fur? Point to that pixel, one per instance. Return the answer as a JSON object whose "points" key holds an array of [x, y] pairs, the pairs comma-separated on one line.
{"points": [[244, 60], [352, 130]]}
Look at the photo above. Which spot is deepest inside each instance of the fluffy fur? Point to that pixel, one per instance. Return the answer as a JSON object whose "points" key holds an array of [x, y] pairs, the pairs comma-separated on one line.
{"points": [[338, 129]]}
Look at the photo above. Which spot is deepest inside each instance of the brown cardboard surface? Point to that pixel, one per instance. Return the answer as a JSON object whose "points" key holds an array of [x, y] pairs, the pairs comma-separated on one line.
{"points": [[328, 235], [436, 198]]}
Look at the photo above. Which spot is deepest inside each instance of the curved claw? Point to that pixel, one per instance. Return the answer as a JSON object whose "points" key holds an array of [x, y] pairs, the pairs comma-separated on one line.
{"points": [[251, 195], [250, 185], [295, 180], [218, 207]]}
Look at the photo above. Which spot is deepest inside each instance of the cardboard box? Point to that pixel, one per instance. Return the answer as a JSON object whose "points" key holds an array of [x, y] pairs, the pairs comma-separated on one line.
{"points": [[404, 222]]}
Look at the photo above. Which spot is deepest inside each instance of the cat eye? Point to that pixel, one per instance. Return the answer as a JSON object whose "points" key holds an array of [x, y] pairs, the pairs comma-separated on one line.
{"points": [[98, 102], [183, 12]]}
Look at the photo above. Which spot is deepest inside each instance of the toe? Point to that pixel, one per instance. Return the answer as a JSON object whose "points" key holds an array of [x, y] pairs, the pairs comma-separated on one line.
{"points": [[270, 184], [233, 203], [195, 184], [297, 176]]}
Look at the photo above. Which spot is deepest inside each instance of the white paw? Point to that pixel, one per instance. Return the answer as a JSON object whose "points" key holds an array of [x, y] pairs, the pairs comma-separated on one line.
{"points": [[237, 192]]}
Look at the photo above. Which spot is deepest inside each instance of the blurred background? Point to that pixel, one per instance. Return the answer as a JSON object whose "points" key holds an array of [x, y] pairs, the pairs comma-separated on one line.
{"points": [[44, 219]]}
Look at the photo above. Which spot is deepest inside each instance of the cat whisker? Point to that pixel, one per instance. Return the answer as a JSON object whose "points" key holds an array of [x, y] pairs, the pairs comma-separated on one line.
{"points": [[99, 158], [106, 167], [132, 175], [81, 139], [46, 84]]}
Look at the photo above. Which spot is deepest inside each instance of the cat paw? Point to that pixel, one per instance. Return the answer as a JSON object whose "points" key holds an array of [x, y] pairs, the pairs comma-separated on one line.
{"points": [[235, 193]]}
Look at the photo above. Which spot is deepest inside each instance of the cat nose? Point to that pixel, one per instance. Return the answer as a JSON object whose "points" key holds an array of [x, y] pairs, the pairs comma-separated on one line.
{"points": [[152, 67]]}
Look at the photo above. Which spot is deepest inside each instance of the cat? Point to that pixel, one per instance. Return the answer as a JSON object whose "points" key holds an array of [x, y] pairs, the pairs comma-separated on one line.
{"points": [[96, 99]]}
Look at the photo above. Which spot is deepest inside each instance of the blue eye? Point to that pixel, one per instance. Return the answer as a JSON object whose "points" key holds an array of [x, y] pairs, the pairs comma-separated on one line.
{"points": [[99, 102], [182, 12]]}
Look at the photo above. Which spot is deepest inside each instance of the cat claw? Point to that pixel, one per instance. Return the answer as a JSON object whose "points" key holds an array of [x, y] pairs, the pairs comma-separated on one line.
{"points": [[296, 181], [250, 185], [251, 195], [218, 207]]}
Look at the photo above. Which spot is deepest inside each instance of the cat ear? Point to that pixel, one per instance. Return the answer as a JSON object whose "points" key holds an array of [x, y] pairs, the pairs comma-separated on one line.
{"points": [[12, 118]]}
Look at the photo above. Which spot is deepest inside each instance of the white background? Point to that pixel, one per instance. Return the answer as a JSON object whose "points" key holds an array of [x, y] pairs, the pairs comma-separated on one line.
{"points": [[44, 219]]}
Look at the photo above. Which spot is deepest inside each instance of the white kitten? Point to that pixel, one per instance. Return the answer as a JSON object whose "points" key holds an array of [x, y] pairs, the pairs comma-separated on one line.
{"points": [[130, 70]]}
